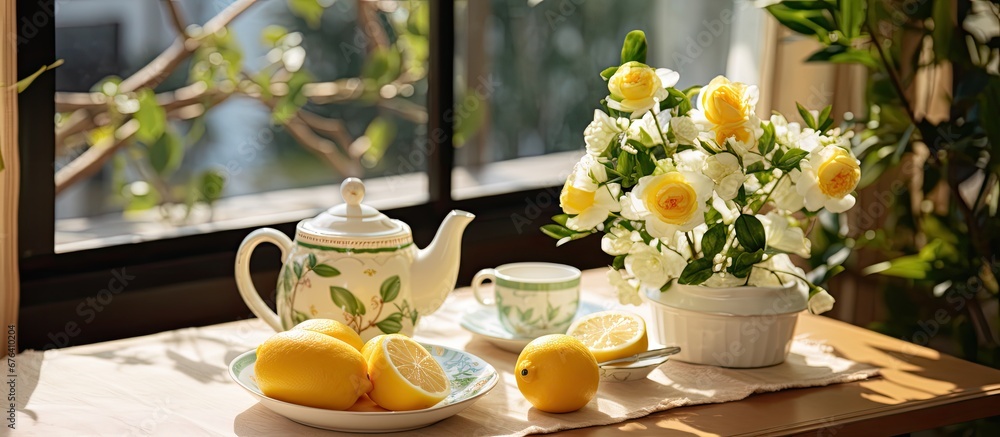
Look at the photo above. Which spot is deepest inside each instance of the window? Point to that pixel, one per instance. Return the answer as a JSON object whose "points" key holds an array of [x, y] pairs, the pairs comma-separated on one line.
{"points": [[285, 100], [490, 123]]}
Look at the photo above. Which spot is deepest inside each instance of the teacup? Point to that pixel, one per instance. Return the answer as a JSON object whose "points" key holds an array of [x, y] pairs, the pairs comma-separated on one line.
{"points": [[532, 298]]}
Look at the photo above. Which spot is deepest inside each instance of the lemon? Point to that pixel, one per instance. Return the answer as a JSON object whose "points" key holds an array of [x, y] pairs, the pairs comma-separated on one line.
{"points": [[312, 369], [557, 373], [611, 334], [334, 329], [404, 375], [371, 345]]}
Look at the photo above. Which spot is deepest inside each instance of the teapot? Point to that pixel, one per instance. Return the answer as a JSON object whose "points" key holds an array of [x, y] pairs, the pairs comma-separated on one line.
{"points": [[353, 264]]}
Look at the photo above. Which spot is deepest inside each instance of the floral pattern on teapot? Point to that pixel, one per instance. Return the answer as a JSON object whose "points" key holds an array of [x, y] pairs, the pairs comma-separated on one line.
{"points": [[368, 292]]}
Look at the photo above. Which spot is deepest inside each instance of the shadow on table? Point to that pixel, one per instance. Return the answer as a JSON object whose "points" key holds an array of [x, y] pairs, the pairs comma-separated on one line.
{"points": [[29, 370]]}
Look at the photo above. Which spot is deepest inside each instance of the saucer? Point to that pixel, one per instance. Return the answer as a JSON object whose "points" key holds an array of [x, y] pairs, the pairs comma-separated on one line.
{"points": [[486, 323]]}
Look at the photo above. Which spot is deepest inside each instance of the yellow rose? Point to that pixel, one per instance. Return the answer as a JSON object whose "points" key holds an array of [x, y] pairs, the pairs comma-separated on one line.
{"points": [[672, 199], [739, 130], [634, 81], [839, 174], [574, 200], [725, 103]]}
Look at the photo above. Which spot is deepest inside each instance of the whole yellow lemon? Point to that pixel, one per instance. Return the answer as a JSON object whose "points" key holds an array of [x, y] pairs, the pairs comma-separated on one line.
{"points": [[557, 373], [334, 329], [312, 369]]}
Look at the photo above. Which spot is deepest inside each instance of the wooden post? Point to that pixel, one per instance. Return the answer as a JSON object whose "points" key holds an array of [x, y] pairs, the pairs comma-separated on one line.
{"points": [[9, 176]]}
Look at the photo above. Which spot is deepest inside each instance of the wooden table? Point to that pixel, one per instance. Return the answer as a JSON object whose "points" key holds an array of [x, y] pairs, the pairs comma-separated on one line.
{"points": [[177, 382], [919, 389]]}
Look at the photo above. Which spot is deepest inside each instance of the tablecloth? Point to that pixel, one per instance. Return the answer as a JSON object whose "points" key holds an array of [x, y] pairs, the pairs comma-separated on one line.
{"points": [[177, 383]]}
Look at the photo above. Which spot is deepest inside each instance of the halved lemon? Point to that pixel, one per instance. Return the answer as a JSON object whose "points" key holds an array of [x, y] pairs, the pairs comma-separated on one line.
{"points": [[405, 376], [611, 334]]}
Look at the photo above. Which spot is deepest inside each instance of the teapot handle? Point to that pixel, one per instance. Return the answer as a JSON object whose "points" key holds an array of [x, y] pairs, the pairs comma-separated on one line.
{"points": [[243, 280]]}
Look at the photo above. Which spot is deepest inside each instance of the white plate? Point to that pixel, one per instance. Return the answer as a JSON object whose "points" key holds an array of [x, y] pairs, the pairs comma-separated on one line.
{"points": [[470, 377], [485, 323]]}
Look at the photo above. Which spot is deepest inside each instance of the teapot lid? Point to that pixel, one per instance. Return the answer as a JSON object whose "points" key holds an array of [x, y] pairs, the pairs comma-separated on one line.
{"points": [[351, 218]]}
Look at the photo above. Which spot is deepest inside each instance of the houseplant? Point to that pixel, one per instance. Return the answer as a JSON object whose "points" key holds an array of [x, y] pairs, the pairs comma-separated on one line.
{"points": [[701, 203]]}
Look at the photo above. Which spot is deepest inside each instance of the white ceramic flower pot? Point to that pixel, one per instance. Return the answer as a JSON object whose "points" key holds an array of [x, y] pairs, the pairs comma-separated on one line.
{"points": [[739, 327]]}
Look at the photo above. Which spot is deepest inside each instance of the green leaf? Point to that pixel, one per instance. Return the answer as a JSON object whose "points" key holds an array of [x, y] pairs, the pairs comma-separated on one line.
{"points": [[151, 116], [556, 231], [750, 233], [550, 312], [299, 317], [741, 197], [696, 272], [744, 262], [286, 106], [23, 84], [713, 240], [943, 29], [309, 10], [383, 65], [166, 153], [391, 324], [272, 34], [618, 262], [790, 159], [844, 55], [824, 116], [286, 277], [852, 16], [766, 142], [525, 316], [311, 260], [326, 271], [561, 219], [297, 267], [390, 289], [807, 116], [608, 72], [811, 22], [380, 134], [634, 48], [345, 300], [210, 185], [909, 267]]}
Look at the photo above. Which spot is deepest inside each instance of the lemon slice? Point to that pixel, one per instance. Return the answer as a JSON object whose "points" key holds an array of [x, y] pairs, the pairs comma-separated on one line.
{"points": [[611, 334], [405, 376]]}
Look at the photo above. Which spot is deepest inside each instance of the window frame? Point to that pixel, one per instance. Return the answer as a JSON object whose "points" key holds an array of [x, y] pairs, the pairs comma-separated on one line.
{"points": [[134, 289]]}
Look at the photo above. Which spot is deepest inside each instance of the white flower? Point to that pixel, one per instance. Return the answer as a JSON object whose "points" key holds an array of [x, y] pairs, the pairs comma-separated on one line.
{"points": [[829, 174], [785, 196], [618, 241], [671, 202], [600, 132], [727, 208], [646, 130], [651, 267], [726, 172], [782, 236], [820, 302], [627, 290], [685, 130], [636, 88], [588, 195], [692, 160], [777, 271]]}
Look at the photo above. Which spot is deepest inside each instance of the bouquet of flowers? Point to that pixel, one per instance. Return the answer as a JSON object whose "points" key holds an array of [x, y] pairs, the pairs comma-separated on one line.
{"points": [[691, 187]]}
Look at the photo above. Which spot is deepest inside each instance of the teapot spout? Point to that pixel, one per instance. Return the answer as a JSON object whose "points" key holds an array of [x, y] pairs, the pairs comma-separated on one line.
{"points": [[435, 270]]}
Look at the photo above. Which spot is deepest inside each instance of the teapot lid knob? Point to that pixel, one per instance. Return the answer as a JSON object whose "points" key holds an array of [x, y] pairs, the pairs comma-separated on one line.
{"points": [[353, 191]]}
